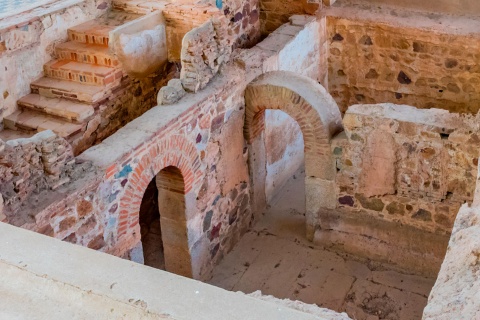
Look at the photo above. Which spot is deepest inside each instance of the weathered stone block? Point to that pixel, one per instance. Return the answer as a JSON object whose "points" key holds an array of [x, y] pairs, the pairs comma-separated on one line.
{"points": [[378, 165], [171, 93]]}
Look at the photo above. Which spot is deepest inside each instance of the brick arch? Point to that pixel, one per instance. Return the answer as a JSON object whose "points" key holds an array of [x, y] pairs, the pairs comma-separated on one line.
{"points": [[174, 151], [318, 116]]}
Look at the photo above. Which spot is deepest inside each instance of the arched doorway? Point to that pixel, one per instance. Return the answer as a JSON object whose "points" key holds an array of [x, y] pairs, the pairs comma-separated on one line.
{"points": [[318, 116], [163, 223]]}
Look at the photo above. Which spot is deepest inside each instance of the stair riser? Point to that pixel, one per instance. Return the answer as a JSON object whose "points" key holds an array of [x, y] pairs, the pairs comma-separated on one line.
{"points": [[41, 124], [90, 58], [108, 81], [56, 93], [87, 38], [70, 117]]}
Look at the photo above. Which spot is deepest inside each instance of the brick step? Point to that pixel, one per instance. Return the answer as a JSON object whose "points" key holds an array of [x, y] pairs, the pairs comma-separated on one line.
{"points": [[93, 32], [56, 88], [27, 120], [85, 53], [83, 73], [96, 31], [68, 110]]}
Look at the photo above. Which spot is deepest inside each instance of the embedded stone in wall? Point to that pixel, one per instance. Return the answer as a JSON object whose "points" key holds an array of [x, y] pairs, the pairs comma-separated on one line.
{"points": [[142, 53], [170, 93], [424, 169], [204, 50], [378, 167], [411, 165]]}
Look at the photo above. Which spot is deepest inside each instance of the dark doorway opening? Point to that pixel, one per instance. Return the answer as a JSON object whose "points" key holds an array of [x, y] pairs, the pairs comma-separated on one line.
{"points": [[151, 233]]}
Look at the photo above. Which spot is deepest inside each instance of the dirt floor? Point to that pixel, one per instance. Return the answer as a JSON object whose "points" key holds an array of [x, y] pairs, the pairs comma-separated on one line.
{"points": [[276, 258]]}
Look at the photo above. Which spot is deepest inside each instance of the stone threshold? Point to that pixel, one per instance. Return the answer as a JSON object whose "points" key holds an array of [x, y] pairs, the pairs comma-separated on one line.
{"points": [[28, 16]]}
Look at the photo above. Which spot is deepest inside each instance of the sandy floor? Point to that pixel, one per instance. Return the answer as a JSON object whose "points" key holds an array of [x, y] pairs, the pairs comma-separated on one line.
{"points": [[276, 258]]}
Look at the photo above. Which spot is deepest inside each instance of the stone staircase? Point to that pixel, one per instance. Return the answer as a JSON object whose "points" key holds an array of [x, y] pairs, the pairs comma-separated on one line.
{"points": [[74, 85]]}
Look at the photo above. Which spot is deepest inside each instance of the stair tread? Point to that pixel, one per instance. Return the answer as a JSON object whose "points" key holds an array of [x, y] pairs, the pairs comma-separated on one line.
{"points": [[57, 106], [93, 27], [66, 85], [81, 47], [41, 122], [67, 65], [88, 93]]}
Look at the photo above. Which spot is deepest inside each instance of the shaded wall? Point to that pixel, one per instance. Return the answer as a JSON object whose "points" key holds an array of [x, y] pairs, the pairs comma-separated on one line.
{"points": [[284, 150]]}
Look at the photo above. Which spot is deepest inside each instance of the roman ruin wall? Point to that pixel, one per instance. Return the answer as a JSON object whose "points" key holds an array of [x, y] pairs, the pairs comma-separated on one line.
{"points": [[374, 59], [275, 13], [413, 166], [44, 161], [92, 211]]}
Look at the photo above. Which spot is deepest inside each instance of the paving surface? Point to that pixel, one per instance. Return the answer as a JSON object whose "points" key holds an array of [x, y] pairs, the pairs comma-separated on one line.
{"points": [[276, 258]]}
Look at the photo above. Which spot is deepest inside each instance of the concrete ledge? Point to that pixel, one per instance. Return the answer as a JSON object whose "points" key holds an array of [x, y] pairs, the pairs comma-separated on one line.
{"points": [[45, 278]]}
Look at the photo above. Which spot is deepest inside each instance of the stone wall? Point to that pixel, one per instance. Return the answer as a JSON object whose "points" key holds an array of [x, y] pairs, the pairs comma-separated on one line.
{"points": [[27, 41], [402, 175], [243, 17], [180, 19], [30, 166], [290, 48], [455, 293], [408, 165], [375, 62], [204, 50], [274, 13], [126, 102]]}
